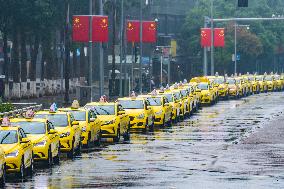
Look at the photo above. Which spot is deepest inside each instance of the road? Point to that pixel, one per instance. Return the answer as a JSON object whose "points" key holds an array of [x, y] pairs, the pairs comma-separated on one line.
{"points": [[234, 144]]}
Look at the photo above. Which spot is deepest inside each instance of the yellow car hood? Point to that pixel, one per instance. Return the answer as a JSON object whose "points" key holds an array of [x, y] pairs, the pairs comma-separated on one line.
{"points": [[106, 117], [205, 92], [62, 129], [222, 86], [157, 108], [36, 138], [134, 111], [8, 148]]}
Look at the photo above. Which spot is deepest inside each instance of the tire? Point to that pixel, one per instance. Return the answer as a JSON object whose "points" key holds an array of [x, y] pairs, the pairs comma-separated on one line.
{"points": [[126, 136], [3, 178], [117, 138], [22, 174], [49, 158], [30, 170], [70, 154], [56, 159], [88, 145], [78, 150]]}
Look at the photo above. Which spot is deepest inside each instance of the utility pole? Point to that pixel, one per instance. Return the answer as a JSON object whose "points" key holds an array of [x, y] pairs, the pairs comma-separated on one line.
{"points": [[90, 83], [113, 48], [121, 46], [235, 56], [212, 38], [141, 45], [67, 52], [205, 52], [102, 82]]}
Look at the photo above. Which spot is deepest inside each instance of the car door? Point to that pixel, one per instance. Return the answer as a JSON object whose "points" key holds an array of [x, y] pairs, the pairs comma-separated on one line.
{"points": [[123, 118], [76, 129], [97, 124], [54, 140], [26, 148]]}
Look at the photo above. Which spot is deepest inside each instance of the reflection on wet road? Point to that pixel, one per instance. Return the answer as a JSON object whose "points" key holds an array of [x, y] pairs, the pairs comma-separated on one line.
{"points": [[207, 150]]}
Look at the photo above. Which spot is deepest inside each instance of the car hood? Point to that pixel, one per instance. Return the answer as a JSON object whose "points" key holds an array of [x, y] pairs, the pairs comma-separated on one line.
{"points": [[106, 117], [36, 138], [204, 92], [8, 148], [134, 111], [62, 129]]}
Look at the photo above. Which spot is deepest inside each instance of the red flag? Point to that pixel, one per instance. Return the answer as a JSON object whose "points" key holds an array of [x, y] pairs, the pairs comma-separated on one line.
{"points": [[133, 31], [100, 29], [219, 37], [149, 31], [205, 37], [81, 26]]}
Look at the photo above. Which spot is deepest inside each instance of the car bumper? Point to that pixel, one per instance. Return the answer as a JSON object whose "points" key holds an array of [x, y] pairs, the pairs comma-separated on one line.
{"points": [[138, 124], [222, 93], [206, 100], [108, 131], [40, 153], [13, 164], [66, 144], [159, 119]]}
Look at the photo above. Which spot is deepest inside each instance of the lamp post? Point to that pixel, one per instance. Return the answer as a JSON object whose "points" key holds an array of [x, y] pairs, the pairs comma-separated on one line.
{"points": [[212, 38]]}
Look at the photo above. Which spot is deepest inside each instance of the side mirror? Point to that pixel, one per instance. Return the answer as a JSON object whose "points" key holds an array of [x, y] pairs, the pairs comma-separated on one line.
{"points": [[92, 119], [75, 123], [121, 112], [52, 131], [24, 140]]}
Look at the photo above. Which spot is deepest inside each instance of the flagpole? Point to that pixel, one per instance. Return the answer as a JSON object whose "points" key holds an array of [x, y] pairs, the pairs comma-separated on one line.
{"points": [[102, 82], [90, 50], [212, 38], [141, 45], [121, 41]]}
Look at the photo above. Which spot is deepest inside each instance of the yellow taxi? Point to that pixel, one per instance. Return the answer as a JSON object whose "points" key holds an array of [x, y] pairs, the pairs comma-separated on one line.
{"points": [[223, 90], [67, 127], [183, 101], [241, 87], [18, 150], [195, 96], [114, 120], [161, 107], [262, 83], [44, 137], [140, 112], [271, 83], [207, 93], [249, 85], [188, 97], [89, 123], [233, 87], [279, 82], [173, 101]]}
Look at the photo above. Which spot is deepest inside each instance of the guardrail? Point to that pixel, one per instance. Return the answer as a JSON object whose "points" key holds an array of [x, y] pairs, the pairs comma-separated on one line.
{"points": [[16, 112]]}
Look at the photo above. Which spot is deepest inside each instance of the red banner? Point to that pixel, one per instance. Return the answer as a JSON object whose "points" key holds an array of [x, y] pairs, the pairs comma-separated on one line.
{"points": [[149, 31], [219, 37], [133, 31], [100, 29], [205, 37], [81, 26]]}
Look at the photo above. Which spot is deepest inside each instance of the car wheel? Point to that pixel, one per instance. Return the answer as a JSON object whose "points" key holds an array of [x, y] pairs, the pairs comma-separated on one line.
{"points": [[21, 174], [126, 135], [117, 138], [78, 150], [56, 159], [70, 154], [31, 168]]}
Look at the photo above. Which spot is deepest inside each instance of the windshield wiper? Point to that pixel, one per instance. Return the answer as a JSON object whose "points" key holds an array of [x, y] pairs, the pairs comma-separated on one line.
{"points": [[5, 137], [105, 111]]}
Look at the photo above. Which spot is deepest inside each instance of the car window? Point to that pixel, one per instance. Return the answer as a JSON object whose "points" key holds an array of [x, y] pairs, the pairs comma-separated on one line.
{"points": [[58, 120]]}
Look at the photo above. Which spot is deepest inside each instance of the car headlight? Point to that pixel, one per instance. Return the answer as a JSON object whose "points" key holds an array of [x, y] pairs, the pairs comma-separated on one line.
{"points": [[65, 134], [141, 116], [84, 129], [109, 122], [159, 112], [13, 154], [41, 143]]}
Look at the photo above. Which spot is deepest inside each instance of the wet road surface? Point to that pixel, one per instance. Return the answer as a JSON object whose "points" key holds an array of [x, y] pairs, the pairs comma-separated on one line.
{"points": [[234, 144]]}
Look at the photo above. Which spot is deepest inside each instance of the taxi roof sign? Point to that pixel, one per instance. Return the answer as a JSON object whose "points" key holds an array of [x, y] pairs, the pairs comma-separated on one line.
{"points": [[53, 107], [75, 104]]}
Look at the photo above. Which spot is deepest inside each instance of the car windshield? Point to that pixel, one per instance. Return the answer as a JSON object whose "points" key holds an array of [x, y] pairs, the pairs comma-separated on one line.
{"points": [[58, 120], [231, 81], [202, 86], [8, 137], [259, 78], [238, 81], [277, 77], [183, 92], [155, 101], [132, 104], [177, 95], [79, 115], [31, 127], [219, 80], [102, 109], [169, 97], [268, 78]]}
